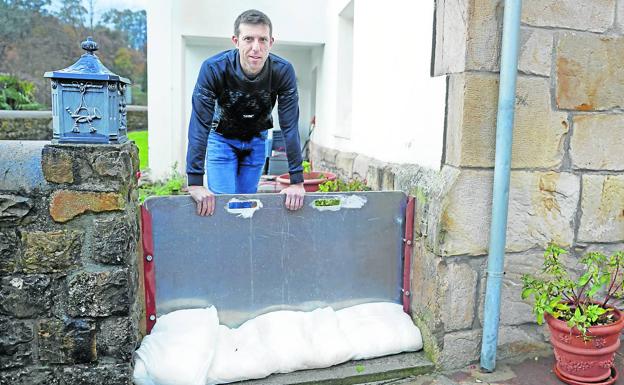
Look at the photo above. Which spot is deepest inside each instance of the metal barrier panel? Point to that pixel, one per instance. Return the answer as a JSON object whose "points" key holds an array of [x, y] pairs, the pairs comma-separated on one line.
{"points": [[276, 259]]}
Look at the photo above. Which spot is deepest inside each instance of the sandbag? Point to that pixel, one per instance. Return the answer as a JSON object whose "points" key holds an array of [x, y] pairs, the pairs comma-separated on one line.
{"points": [[189, 347], [303, 340], [140, 375], [181, 346], [327, 343], [378, 329], [279, 342], [241, 354]]}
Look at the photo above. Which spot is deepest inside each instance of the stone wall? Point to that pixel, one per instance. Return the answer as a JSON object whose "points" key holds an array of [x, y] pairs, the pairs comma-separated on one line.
{"points": [[137, 118], [69, 231], [37, 125], [567, 179], [25, 125]]}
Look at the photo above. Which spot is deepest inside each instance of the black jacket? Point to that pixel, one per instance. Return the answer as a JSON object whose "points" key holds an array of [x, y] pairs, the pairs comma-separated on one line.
{"points": [[226, 100]]}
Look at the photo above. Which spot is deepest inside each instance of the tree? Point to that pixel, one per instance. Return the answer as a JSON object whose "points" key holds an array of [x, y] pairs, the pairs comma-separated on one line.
{"points": [[133, 24], [123, 62], [91, 13], [28, 5], [17, 19], [34, 40], [72, 12]]}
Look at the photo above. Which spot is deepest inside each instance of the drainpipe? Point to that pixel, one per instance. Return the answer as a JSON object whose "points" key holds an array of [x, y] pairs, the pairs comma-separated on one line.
{"points": [[502, 166]]}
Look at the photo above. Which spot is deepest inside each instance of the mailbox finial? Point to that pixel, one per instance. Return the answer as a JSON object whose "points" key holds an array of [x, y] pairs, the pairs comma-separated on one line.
{"points": [[89, 45]]}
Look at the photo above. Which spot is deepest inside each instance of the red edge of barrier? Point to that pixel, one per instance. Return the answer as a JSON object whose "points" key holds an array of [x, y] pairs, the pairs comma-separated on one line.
{"points": [[407, 253], [148, 269]]}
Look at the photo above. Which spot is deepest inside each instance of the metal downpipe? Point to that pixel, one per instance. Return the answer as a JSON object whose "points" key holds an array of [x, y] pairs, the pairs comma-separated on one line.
{"points": [[502, 166]]}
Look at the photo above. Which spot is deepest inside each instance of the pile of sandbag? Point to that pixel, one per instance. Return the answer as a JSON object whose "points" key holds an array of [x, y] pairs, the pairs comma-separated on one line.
{"points": [[189, 347]]}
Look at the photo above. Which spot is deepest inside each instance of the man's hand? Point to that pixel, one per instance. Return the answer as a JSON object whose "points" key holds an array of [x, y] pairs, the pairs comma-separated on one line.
{"points": [[204, 198], [294, 196]]}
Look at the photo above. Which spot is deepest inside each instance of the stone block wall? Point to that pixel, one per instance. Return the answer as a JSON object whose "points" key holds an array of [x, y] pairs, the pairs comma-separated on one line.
{"points": [[69, 231], [25, 125], [567, 179], [137, 118], [37, 125]]}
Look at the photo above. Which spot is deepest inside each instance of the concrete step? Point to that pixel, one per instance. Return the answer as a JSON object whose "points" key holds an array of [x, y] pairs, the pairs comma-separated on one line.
{"points": [[393, 367]]}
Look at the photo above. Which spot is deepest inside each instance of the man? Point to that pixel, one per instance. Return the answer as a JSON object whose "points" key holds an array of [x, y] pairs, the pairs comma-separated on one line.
{"points": [[233, 98]]}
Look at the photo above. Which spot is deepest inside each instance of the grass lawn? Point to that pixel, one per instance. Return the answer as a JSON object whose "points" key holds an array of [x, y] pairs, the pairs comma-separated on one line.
{"points": [[140, 139]]}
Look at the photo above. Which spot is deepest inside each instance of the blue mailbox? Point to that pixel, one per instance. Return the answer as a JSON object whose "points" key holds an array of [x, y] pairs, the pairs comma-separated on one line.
{"points": [[88, 101]]}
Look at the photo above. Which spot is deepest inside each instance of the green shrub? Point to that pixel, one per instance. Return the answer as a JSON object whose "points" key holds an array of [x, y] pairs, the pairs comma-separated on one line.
{"points": [[306, 166], [17, 94], [174, 185]]}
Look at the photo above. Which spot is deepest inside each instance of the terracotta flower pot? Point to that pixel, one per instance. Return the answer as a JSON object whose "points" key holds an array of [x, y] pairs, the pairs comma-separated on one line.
{"points": [[582, 360], [311, 180]]}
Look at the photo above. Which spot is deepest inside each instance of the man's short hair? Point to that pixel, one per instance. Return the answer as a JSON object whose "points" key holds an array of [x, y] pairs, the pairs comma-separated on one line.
{"points": [[252, 16]]}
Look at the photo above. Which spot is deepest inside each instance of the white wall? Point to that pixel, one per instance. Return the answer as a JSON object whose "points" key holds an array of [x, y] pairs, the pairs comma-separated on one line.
{"points": [[397, 110], [176, 28], [161, 79], [298, 21]]}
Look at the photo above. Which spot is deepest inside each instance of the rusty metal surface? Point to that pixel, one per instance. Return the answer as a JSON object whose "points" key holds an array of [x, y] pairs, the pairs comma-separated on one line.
{"points": [[277, 259]]}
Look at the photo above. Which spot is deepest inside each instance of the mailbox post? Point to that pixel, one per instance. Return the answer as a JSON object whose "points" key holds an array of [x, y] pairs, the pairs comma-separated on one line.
{"points": [[88, 101]]}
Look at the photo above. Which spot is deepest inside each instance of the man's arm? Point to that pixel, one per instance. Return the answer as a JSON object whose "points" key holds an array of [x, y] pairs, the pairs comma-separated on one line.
{"points": [[288, 112], [203, 104]]}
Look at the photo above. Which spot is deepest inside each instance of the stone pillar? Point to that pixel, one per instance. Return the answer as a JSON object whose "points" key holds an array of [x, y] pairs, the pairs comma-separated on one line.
{"points": [[566, 179], [69, 232]]}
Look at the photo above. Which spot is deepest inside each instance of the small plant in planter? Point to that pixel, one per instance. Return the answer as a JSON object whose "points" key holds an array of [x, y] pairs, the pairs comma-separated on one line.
{"points": [[311, 179], [340, 185], [585, 325]]}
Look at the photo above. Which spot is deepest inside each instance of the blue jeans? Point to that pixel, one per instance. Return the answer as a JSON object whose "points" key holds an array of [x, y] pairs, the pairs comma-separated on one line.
{"points": [[234, 166]]}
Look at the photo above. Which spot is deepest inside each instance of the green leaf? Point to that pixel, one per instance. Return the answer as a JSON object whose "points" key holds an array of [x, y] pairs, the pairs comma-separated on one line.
{"points": [[554, 302], [563, 306], [594, 289], [526, 292]]}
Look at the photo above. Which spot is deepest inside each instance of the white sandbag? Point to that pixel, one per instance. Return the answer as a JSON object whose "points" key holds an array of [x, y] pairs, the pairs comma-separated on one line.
{"points": [[303, 340], [279, 342], [327, 343], [379, 329], [140, 376], [181, 346], [188, 347], [240, 355], [283, 335]]}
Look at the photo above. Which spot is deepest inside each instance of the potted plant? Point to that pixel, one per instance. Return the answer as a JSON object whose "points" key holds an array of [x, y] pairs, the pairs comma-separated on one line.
{"points": [[584, 323], [336, 185], [311, 179]]}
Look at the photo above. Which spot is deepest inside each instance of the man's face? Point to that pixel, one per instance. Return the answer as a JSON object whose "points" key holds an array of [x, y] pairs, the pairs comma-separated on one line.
{"points": [[254, 43]]}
